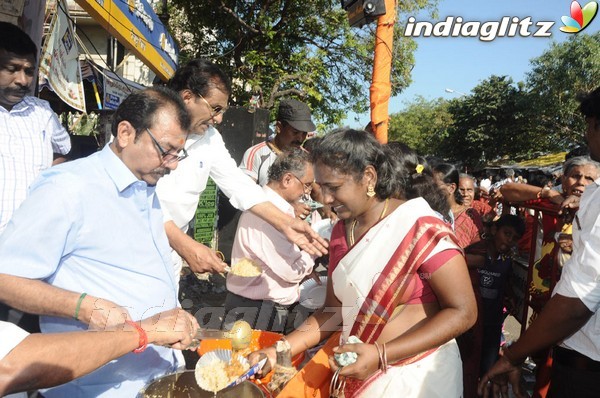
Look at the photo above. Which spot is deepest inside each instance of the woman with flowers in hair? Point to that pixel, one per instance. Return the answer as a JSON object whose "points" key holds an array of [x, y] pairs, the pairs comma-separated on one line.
{"points": [[397, 282]]}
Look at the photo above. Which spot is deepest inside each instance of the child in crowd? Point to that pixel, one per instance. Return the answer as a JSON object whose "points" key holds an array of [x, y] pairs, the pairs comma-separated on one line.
{"points": [[490, 265]]}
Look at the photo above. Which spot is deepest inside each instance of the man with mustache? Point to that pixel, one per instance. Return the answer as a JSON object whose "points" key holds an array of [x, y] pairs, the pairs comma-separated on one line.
{"points": [[291, 128], [88, 250], [29, 130]]}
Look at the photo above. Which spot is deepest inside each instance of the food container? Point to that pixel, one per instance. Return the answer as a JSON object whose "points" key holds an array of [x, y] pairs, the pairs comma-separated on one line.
{"points": [[183, 385], [260, 339]]}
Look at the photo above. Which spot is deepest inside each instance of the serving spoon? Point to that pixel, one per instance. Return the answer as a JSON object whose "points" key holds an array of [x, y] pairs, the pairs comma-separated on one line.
{"points": [[240, 335]]}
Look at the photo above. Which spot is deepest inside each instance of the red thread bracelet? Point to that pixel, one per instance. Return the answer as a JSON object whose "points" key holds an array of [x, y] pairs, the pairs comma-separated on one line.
{"points": [[143, 342]]}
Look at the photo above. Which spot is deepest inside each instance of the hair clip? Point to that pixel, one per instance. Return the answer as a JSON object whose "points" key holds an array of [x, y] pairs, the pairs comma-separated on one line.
{"points": [[419, 168]]}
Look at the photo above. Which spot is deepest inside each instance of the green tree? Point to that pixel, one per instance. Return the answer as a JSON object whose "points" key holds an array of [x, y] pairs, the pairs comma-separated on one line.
{"points": [[487, 124], [422, 125], [557, 77], [291, 48]]}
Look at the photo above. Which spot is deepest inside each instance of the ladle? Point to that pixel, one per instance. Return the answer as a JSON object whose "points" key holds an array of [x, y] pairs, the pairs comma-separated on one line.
{"points": [[240, 335]]}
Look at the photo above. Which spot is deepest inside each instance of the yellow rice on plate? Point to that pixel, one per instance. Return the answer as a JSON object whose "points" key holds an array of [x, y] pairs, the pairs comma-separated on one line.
{"points": [[246, 267]]}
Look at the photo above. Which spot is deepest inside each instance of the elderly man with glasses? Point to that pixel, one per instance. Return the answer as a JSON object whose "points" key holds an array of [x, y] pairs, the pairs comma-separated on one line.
{"points": [[267, 300], [88, 250], [205, 90]]}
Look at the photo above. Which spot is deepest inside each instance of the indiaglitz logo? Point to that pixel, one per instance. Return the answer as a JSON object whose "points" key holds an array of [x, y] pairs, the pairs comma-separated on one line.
{"points": [[580, 17], [485, 31]]}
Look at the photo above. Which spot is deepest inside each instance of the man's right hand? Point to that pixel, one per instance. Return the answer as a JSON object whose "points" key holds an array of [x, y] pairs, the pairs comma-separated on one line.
{"points": [[175, 328], [201, 259], [101, 314]]}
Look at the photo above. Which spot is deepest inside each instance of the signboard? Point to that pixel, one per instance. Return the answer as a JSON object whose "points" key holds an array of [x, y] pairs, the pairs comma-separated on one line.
{"points": [[117, 89], [60, 60], [135, 24]]}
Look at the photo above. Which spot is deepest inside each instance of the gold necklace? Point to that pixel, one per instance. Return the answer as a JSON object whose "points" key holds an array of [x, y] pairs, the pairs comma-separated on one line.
{"points": [[353, 226], [274, 147]]}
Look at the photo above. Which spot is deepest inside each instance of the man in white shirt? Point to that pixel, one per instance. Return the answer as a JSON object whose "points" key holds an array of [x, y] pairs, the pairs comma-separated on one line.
{"points": [[29, 130], [291, 128], [205, 90], [571, 318]]}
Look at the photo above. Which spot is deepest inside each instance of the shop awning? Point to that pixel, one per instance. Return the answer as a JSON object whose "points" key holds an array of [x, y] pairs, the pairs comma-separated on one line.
{"points": [[550, 159], [135, 24]]}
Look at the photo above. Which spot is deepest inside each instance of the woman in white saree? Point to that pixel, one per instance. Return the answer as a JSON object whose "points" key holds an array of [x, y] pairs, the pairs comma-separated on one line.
{"points": [[397, 279]]}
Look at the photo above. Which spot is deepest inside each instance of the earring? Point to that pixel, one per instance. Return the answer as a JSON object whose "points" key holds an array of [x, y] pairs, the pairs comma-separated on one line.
{"points": [[370, 191]]}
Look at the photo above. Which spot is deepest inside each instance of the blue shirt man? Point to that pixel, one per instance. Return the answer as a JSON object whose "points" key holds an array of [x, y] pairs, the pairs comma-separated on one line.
{"points": [[95, 226]]}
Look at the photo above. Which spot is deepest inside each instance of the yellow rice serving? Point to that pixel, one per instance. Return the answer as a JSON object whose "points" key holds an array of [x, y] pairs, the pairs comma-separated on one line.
{"points": [[218, 374], [246, 267]]}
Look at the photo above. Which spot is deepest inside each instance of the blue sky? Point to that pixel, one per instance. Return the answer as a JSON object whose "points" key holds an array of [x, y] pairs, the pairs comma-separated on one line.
{"points": [[461, 63]]}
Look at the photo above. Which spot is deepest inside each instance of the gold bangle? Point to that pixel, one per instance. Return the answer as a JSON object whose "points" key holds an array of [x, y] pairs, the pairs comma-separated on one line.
{"points": [[380, 364], [385, 364]]}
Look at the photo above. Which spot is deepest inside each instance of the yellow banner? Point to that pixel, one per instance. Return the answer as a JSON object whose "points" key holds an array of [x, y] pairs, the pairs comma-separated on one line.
{"points": [[135, 24]]}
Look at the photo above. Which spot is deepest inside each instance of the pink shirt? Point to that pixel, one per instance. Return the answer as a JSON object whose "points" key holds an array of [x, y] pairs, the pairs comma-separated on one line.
{"points": [[284, 264]]}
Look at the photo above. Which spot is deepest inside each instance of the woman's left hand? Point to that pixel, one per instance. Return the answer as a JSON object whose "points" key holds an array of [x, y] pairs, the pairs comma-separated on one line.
{"points": [[366, 364]]}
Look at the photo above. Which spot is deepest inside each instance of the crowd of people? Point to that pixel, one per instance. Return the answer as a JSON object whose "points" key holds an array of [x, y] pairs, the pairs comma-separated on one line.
{"points": [[419, 256]]}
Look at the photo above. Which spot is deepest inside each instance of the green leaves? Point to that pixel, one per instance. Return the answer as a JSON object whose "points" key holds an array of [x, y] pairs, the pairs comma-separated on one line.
{"points": [[501, 119], [295, 48]]}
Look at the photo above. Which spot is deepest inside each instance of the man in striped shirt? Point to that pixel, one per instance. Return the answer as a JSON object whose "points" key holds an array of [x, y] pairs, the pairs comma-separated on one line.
{"points": [[293, 124], [30, 133]]}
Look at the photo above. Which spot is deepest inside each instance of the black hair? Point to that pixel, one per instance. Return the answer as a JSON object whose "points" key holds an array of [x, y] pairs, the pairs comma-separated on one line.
{"points": [[412, 183], [509, 220], [450, 175], [16, 41], [200, 76], [581, 150], [311, 143], [400, 148], [294, 161], [351, 151], [590, 104], [139, 109], [539, 179]]}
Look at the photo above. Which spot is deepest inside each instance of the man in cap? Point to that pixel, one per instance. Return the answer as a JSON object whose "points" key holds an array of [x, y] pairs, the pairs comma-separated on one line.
{"points": [[292, 126]]}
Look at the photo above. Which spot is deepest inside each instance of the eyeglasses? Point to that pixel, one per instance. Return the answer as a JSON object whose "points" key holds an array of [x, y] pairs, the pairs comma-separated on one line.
{"points": [[168, 156], [214, 110], [306, 185]]}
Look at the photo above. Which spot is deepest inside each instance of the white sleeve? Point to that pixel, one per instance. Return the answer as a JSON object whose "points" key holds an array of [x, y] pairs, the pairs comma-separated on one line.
{"points": [[61, 141], [581, 274], [10, 336], [252, 172], [242, 191]]}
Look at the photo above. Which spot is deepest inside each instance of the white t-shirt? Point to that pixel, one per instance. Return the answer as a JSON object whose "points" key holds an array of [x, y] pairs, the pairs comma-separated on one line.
{"points": [[180, 190], [10, 336], [581, 274], [256, 162]]}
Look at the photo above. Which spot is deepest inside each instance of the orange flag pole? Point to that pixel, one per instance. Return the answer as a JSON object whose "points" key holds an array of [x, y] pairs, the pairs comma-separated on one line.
{"points": [[381, 87]]}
